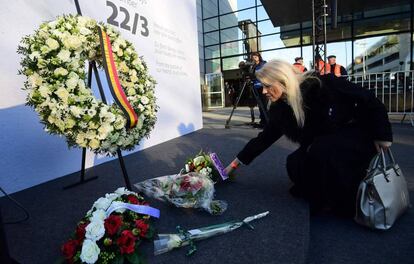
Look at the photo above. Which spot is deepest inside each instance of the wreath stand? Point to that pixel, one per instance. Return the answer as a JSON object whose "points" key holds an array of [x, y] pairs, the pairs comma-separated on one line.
{"points": [[92, 67]]}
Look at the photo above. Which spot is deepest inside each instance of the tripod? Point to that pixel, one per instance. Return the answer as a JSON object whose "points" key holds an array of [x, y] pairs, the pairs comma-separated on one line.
{"points": [[248, 83]]}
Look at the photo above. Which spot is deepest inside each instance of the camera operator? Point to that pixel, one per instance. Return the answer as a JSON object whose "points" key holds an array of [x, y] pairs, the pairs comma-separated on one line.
{"points": [[258, 63]]}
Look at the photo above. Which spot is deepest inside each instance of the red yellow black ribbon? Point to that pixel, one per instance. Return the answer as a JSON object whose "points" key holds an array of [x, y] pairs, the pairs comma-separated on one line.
{"points": [[113, 80]]}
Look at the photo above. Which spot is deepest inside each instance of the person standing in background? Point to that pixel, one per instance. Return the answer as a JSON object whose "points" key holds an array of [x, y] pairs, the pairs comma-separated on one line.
{"points": [[334, 68], [257, 85], [299, 65]]}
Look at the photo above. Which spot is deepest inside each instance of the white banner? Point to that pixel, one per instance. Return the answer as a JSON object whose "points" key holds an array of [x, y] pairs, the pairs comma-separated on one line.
{"points": [[163, 32]]}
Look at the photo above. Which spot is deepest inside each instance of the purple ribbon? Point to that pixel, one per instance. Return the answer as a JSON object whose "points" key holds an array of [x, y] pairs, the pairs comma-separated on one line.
{"points": [[219, 166], [140, 209]]}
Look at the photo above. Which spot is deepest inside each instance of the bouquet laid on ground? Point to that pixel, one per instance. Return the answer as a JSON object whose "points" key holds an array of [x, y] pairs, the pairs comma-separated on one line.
{"points": [[190, 190], [167, 242], [112, 230], [206, 164]]}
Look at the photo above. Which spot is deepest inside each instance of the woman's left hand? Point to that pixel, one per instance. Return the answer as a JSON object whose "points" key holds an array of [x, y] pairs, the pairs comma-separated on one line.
{"points": [[384, 145]]}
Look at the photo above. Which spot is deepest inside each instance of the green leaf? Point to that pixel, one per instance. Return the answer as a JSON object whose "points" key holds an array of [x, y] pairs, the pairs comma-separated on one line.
{"points": [[133, 258], [118, 260]]}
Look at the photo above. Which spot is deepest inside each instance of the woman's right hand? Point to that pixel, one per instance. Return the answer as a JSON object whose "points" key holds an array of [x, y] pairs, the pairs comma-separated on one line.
{"points": [[231, 168]]}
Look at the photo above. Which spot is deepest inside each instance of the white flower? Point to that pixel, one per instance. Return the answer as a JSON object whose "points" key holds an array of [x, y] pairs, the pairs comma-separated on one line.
{"points": [[91, 112], [60, 71], [111, 196], [72, 42], [44, 91], [76, 111], [63, 94], [52, 44], [84, 31], [95, 230], [90, 252], [144, 100], [34, 55], [104, 130], [102, 203], [80, 140], [71, 83], [69, 123], [122, 190], [119, 123], [94, 143], [52, 24], [64, 55], [35, 80], [198, 160], [98, 215]]}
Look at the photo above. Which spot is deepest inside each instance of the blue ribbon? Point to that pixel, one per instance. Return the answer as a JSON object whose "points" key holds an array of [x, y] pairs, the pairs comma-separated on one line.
{"points": [[140, 209]]}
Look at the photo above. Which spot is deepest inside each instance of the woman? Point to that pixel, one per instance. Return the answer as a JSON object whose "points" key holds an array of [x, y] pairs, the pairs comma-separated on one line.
{"points": [[338, 125]]}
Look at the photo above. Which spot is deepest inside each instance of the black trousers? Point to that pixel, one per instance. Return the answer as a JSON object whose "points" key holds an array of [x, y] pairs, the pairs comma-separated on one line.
{"points": [[328, 171]]}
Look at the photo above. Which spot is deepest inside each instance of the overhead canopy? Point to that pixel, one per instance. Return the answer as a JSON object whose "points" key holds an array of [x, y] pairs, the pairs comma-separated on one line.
{"points": [[282, 12]]}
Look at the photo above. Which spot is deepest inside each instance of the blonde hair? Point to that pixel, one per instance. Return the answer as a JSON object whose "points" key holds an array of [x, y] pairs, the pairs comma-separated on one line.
{"points": [[290, 80]]}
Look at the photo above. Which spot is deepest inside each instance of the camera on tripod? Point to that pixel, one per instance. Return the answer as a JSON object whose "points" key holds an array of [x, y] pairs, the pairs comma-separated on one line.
{"points": [[247, 69]]}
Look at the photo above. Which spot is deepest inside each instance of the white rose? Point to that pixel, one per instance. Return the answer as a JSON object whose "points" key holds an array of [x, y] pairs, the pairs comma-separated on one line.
{"points": [[122, 190], [69, 123], [72, 42], [52, 44], [64, 55], [60, 71], [109, 117], [71, 83], [52, 24], [76, 111], [85, 31], [80, 140], [44, 91], [95, 230], [102, 203], [134, 78], [144, 100], [94, 143], [131, 91], [90, 252], [98, 215], [111, 196], [104, 130], [35, 80], [63, 94], [34, 55], [51, 119]]}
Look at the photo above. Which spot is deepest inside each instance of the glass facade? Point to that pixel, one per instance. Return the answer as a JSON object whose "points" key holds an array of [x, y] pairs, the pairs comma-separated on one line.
{"points": [[375, 41]]}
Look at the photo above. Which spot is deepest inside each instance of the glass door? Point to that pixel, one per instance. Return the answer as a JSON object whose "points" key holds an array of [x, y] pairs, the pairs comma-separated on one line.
{"points": [[214, 92]]}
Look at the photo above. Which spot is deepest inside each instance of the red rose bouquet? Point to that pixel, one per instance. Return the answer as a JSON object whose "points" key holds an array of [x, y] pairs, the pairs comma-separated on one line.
{"points": [[112, 230]]}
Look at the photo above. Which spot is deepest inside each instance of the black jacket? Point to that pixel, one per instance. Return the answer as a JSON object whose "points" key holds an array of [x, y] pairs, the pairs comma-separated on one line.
{"points": [[329, 107]]}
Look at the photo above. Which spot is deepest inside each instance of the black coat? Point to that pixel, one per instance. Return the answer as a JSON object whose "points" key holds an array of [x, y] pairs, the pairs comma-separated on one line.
{"points": [[336, 143]]}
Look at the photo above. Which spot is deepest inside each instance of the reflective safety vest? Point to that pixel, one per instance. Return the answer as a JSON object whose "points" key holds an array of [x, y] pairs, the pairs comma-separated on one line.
{"points": [[322, 67], [300, 67], [336, 71]]}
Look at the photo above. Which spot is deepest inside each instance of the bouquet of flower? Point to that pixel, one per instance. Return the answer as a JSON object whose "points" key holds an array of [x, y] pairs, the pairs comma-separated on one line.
{"points": [[191, 190], [206, 164], [167, 242], [112, 230]]}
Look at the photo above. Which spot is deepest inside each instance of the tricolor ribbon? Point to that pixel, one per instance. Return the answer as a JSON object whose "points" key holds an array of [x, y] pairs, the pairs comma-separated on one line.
{"points": [[113, 80], [140, 209]]}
